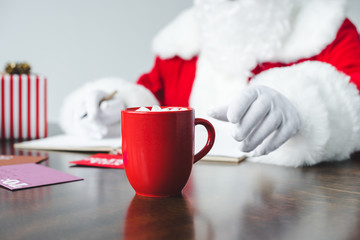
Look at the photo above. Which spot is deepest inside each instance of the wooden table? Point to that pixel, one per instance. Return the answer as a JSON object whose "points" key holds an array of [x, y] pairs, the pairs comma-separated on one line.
{"points": [[220, 201]]}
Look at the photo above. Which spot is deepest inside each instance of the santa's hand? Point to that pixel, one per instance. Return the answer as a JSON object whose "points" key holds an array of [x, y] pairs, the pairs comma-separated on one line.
{"points": [[263, 118], [98, 118]]}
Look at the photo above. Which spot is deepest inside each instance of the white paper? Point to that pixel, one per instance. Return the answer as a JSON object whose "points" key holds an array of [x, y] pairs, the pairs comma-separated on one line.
{"points": [[71, 143], [224, 146]]}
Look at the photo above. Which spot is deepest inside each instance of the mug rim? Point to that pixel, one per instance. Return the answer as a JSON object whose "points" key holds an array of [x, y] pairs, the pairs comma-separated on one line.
{"points": [[133, 110]]}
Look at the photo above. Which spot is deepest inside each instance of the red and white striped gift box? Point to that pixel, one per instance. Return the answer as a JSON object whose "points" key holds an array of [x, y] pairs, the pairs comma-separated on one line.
{"points": [[23, 106]]}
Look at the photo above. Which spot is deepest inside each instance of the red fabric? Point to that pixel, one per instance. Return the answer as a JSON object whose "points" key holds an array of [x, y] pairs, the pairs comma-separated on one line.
{"points": [[171, 80], [343, 53]]}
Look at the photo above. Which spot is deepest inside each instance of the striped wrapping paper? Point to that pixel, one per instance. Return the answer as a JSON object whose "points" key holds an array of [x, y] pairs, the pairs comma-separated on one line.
{"points": [[23, 106]]}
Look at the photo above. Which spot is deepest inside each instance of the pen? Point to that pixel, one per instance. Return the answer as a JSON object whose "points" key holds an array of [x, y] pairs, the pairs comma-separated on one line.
{"points": [[106, 98]]}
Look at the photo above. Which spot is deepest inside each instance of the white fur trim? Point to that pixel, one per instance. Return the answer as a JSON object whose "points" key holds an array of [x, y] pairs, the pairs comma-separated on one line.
{"points": [[213, 87], [134, 95], [314, 26], [180, 37], [329, 107]]}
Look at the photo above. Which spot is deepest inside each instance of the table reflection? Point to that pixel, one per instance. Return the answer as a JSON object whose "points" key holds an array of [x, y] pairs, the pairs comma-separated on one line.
{"points": [[159, 218], [283, 209]]}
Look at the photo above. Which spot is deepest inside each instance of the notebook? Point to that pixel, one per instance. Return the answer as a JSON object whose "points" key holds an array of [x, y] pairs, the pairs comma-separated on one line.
{"points": [[224, 150], [65, 142]]}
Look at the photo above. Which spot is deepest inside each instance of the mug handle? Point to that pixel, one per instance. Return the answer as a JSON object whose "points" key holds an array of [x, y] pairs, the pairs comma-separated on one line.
{"points": [[210, 141]]}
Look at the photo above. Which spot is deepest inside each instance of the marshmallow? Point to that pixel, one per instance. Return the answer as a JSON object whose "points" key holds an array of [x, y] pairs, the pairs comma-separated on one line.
{"points": [[143, 109], [155, 108], [159, 109]]}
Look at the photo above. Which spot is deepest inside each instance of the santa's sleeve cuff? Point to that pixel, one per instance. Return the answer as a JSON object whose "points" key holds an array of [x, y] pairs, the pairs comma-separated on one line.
{"points": [[134, 95], [329, 107]]}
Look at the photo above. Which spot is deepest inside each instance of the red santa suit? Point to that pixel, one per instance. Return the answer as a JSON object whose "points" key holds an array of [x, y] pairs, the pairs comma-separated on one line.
{"points": [[315, 64], [171, 79]]}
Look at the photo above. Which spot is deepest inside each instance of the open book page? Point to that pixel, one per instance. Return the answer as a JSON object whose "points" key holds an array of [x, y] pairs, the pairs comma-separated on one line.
{"points": [[225, 148], [71, 143]]}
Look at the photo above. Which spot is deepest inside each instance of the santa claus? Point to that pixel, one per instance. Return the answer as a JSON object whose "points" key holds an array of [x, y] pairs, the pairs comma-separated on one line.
{"points": [[284, 75]]}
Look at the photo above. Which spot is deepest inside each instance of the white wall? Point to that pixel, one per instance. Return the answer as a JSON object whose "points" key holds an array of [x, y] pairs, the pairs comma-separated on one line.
{"points": [[354, 12], [74, 41]]}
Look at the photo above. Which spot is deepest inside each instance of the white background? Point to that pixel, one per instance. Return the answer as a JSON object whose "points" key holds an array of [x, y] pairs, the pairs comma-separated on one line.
{"points": [[75, 41]]}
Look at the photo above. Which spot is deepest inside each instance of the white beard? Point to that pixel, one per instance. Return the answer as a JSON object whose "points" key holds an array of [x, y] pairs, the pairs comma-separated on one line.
{"points": [[235, 37]]}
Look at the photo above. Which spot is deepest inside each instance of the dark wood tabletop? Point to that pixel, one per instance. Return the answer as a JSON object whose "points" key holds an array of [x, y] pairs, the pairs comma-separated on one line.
{"points": [[220, 201]]}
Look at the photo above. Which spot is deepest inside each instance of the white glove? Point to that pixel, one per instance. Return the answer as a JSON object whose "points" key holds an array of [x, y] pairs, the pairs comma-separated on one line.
{"points": [[97, 120], [263, 119]]}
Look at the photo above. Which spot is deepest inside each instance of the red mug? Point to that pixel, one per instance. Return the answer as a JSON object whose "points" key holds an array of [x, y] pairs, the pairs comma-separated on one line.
{"points": [[158, 149]]}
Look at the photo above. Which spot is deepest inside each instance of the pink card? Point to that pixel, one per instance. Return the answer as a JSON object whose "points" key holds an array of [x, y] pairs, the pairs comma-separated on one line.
{"points": [[30, 175], [102, 160]]}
